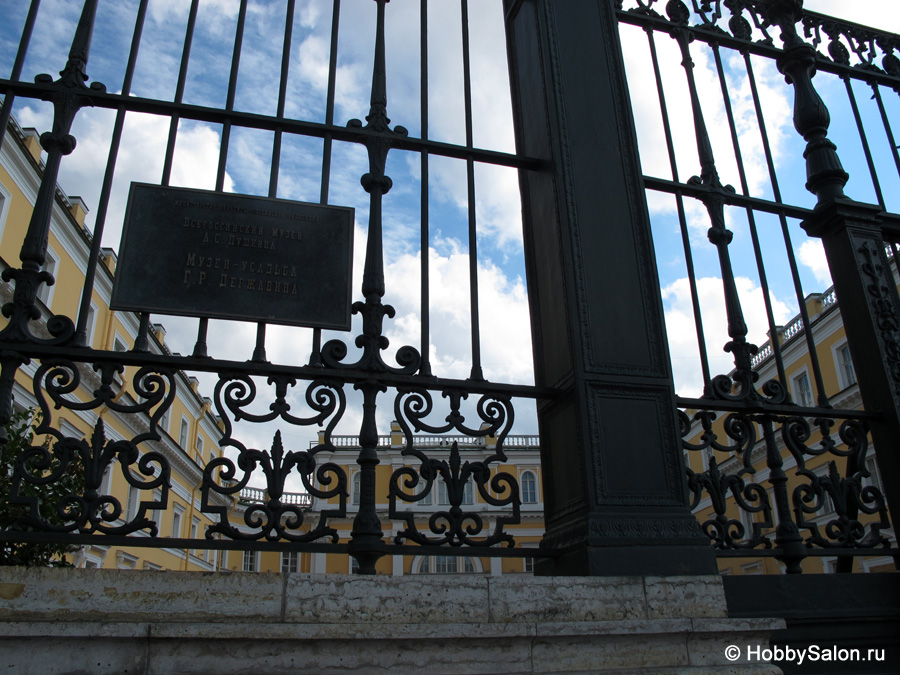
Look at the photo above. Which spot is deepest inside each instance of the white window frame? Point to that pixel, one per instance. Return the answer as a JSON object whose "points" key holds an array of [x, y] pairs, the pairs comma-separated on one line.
{"points": [[844, 379], [133, 505], [183, 432], [355, 488], [534, 487], [446, 565], [828, 510], [290, 562], [5, 198], [91, 325], [156, 514], [177, 522], [250, 561], [796, 390], [51, 264], [164, 421]]}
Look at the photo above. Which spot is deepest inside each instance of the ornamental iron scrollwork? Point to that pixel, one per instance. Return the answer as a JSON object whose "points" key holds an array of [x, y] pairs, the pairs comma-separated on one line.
{"points": [[68, 95], [726, 532], [845, 43], [147, 473], [843, 496], [274, 519], [454, 526], [826, 504]]}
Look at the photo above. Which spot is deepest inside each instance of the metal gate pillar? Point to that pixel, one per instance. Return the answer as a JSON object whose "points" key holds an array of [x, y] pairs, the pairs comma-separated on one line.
{"points": [[614, 479]]}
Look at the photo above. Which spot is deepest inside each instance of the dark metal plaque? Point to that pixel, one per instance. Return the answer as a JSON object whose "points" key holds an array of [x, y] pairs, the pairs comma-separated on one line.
{"points": [[227, 256]]}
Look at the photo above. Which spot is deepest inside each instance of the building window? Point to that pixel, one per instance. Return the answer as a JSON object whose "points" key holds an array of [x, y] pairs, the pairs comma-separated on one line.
{"points": [[176, 521], [826, 503], [357, 481], [529, 488], [445, 564], [528, 565], [290, 562], [845, 363], [156, 514], [91, 325], [468, 493], [874, 478], [200, 447], [802, 391], [442, 498], [195, 527], [183, 434], [131, 508], [426, 500], [164, 421], [51, 264], [249, 562]]}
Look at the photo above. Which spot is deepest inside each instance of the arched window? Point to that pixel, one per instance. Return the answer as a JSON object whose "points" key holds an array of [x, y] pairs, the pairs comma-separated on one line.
{"points": [[529, 488]]}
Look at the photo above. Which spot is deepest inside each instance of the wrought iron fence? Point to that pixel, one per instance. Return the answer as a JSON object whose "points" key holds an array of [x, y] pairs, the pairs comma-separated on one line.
{"points": [[752, 429], [780, 462], [153, 377]]}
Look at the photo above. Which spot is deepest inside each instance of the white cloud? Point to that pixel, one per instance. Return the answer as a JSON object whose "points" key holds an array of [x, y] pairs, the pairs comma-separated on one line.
{"points": [[682, 332], [812, 254]]}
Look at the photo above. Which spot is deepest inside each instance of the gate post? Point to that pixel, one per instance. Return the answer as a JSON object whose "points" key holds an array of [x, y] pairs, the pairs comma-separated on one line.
{"points": [[866, 289], [614, 477]]}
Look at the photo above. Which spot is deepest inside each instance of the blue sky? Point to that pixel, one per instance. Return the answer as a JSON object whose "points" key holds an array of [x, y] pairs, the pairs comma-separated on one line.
{"points": [[506, 341]]}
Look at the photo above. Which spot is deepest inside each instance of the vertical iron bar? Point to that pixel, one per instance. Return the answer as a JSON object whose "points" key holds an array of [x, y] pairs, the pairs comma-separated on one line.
{"points": [[68, 95], [865, 141], [751, 219], [90, 274], [366, 542], [16, 73], [719, 235], [179, 90], [887, 125], [232, 91], [682, 219], [315, 358], [282, 96], [476, 373], [424, 246], [173, 121], [787, 536], [821, 396], [259, 353]]}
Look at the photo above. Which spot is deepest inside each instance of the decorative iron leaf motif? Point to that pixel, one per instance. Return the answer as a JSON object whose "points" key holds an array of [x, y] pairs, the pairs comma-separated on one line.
{"points": [[93, 511], [273, 519], [844, 497], [454, 526], [827, 506]]}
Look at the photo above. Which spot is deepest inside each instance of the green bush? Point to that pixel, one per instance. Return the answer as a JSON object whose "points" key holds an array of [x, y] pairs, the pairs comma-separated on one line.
{"points": [[20, 432]]}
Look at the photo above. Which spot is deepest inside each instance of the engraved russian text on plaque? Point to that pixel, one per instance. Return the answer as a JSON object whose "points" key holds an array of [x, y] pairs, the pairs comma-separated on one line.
{"points": [[228, 256]]}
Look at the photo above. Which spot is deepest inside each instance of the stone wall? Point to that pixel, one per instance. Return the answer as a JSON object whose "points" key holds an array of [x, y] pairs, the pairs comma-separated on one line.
{"points": [[117, 621]]}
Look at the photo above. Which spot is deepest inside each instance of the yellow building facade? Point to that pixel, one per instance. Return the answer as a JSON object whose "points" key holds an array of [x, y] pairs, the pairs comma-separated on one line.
{"points": [[189, 430]]}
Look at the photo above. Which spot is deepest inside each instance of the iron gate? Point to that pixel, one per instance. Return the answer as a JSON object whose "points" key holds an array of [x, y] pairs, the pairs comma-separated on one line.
{"points": [[596, 384]]}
